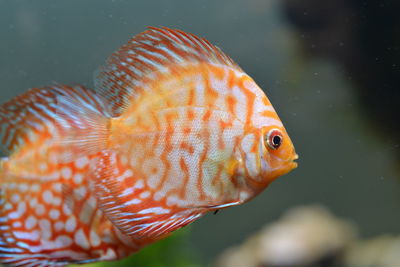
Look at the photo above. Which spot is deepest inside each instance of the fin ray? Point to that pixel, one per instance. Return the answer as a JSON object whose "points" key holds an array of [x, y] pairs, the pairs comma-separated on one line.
{"points": [[33, 115], [83, 129], [151, 51], [137, 220]]}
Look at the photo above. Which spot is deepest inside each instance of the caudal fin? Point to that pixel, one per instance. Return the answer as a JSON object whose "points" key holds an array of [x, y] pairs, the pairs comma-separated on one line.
{"points": [[32, 115]]}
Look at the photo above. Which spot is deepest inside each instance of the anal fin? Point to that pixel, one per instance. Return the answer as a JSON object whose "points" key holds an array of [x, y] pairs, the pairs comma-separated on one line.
{"points": [[135, 217]]}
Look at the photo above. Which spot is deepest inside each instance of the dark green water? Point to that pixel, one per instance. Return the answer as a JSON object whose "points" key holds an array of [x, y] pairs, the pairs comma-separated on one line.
{"points": [[343, 164]]}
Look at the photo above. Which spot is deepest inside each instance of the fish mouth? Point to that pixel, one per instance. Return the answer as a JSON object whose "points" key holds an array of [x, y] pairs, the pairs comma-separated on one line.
{"points": [[293, 161]]}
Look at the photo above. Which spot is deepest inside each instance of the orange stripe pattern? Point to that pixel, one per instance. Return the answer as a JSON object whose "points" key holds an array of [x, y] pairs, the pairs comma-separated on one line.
{"points": [[174, 129]]}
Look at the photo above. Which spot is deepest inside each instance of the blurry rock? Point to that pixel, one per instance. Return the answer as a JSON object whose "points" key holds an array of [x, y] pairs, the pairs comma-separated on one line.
{"points": [[383, 251], [305, 236]]}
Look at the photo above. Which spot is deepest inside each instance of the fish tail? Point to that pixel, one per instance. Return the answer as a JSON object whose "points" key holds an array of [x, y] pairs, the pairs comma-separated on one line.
{"points": [[2, 169], [71, 116], [83, 126], [69, 122], [15, 251]]}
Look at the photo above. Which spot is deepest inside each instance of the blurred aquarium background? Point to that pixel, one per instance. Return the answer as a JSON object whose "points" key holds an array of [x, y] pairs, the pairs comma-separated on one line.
{"points": [[331, 70]]}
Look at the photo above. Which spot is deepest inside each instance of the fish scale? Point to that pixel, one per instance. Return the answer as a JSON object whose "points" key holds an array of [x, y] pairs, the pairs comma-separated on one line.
{"points": [[174, 129]]}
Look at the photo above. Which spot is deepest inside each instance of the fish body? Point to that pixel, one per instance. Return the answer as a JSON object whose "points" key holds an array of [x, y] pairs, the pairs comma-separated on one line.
{"points": [[174, 129]]}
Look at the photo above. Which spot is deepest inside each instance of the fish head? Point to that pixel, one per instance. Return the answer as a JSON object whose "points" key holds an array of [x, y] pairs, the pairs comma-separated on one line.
{"points": [[277, 153], [266, 150], [265, 156]]}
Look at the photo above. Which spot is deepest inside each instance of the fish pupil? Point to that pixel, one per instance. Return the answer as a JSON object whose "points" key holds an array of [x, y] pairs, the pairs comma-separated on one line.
{"points": [[276, 141]]}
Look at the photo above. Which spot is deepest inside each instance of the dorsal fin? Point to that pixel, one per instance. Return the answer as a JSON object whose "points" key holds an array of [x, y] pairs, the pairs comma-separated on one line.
{"points": [[32, 114], [153, 50]]}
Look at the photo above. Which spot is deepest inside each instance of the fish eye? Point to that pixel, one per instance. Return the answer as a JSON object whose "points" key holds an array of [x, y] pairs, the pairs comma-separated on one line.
{"points": [[274, 139]]}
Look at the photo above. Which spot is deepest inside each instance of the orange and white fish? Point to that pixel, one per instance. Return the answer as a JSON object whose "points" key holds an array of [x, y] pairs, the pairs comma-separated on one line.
{"points": [[174, 129]]}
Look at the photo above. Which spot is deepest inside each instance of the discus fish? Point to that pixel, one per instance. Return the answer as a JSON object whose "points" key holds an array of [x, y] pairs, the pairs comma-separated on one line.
{"points": [[173, 129]]}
